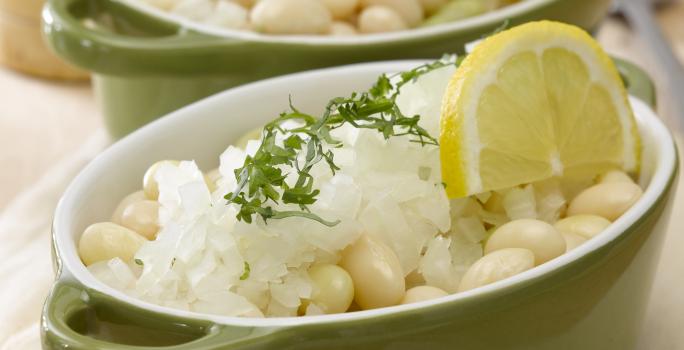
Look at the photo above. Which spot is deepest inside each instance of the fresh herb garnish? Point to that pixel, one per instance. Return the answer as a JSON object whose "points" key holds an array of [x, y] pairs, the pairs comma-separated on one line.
{"points": [[139, 262], [245, 272], [261, 180]]}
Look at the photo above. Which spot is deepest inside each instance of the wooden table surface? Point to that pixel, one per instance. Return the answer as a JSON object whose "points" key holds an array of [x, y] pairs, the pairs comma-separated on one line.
{"points": [[42, 122]]}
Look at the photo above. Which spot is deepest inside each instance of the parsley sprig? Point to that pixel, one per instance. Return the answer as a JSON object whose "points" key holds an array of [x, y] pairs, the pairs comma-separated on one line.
{"points": [[262, 180]]}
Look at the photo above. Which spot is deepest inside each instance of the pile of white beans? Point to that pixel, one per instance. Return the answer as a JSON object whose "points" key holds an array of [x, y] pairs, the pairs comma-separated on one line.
{"points": [[369, 274], [312, 17]]}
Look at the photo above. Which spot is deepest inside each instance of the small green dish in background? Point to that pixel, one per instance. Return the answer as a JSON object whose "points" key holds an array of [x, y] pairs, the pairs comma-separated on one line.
{"points": [[145, 65]]}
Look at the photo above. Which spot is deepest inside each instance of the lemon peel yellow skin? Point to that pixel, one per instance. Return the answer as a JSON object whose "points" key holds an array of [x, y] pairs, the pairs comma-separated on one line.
{"points": [[539, 100]]}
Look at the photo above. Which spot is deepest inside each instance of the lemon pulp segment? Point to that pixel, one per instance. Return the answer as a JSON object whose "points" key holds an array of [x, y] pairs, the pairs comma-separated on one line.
{"points": [[536, 101]]}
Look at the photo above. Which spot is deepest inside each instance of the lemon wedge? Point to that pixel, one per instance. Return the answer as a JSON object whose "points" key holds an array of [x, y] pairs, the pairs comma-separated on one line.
{"points": [[536, 101]]}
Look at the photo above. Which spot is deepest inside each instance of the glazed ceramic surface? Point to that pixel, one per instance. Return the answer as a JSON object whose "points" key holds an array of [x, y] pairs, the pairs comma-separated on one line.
{"points": [[594, 297], [146, 65]]}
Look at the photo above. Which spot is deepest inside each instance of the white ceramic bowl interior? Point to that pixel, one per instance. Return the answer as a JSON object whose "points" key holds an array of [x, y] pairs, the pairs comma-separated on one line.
{"points": [[203, 130], [494, 17]]}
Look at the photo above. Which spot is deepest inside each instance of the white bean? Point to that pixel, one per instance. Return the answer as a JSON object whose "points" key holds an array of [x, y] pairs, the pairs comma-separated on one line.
{"points": [[333, 289], [341, 9], [572, 241], [291, 17], [615, 176], [106, 240], [586, 226], [608, 199], [142, 217], [496, 266], [342, 29], [376, 272], [410, 10], [193, 9], [537, 236], [254, 312], [422, 293], [150, 186], [380, 19], [228, 15], [131, 198]]}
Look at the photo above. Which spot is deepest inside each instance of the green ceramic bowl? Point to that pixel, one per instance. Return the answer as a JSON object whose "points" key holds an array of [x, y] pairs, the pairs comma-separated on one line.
{"points": [[591, 298], [146, 64]]}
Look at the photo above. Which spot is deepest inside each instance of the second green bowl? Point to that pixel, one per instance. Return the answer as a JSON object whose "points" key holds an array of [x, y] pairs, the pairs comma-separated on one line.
{"points": [[145, 66]]}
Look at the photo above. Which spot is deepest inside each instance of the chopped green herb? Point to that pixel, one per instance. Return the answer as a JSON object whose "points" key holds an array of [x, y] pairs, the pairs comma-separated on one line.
{"points": [[261, 180], [139, 262], [246, 271]]}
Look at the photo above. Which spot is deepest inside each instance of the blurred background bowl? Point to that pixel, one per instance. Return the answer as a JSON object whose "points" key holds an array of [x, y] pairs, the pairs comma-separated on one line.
{"points": [[146, 64]]}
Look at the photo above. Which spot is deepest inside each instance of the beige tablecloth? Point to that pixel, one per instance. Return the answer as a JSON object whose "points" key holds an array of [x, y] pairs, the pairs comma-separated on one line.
{"points": [[26, 269]]}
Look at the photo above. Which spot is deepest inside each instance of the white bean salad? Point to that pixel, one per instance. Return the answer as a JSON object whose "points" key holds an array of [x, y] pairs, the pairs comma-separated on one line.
{"points": [[324, 17], [369, 273], [398, 239]]}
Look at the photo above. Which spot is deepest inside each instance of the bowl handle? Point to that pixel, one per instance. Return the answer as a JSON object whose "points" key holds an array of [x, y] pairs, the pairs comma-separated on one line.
{"points": [[131, 42], [81, 319], [637, 82]]}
